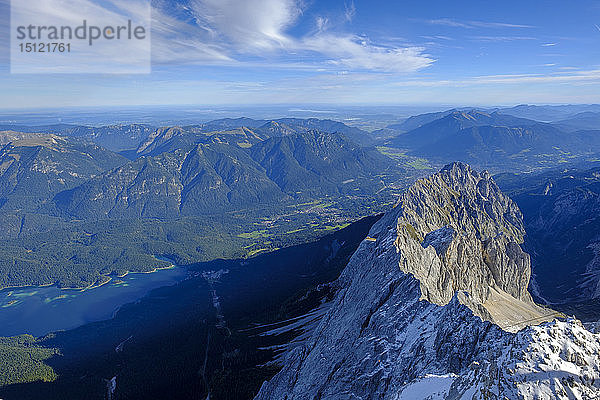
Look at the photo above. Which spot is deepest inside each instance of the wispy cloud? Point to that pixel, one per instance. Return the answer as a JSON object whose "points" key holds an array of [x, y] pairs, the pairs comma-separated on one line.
{"points": [[474, 24], [437, 37], [501, 38], [321, 23], [355, 52], [349, 11], [548, 44], [231, 31], [448, 22], [250, 24], [560, 77], [243, 33]]}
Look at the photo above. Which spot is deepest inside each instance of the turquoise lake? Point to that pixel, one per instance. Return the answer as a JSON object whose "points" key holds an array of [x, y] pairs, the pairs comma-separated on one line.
{"points": [[41, 310]]}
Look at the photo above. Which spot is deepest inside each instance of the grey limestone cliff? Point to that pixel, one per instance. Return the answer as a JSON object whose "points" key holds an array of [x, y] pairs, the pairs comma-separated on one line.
{"points": [[457, 233]]}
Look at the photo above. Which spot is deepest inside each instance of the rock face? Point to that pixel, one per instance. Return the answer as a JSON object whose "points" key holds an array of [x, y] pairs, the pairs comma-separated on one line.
{"points": [[561, 211], [457, 232], [407, 321]]}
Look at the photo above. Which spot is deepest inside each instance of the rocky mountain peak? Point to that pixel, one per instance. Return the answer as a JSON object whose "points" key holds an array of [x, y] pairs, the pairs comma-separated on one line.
{"points": [[458, 234], [406, 322]]}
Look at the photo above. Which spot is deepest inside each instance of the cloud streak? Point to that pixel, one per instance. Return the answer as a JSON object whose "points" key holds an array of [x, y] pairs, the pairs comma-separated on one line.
{"points": [[501, 38], [231, 31], [563, 77], [475, 24], [354, 52], [350, 11]]}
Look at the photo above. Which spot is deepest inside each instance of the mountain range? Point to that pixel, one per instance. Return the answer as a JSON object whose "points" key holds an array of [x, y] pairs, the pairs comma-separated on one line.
{"points": [[549, 113], [496, 141], [588, 120], [440, 300], [36, 166], [112, 137], [56, 190], [217, 177]]}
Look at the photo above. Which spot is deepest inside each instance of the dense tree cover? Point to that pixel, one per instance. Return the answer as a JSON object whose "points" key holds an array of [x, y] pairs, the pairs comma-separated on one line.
{"points": [[22, 360], [33, 169], [80, 254]]}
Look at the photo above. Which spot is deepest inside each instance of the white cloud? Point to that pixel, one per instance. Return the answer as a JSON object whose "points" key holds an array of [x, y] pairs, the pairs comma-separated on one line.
{"points": [[255, 24], [562, 77], [350, 11], [356, 53], [229, 31], [474, 24]]}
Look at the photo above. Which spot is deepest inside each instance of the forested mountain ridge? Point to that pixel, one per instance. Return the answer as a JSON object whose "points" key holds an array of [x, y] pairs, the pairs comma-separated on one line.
{"points": [[116, 138], [496, 141], [206, 179], [244, 132], [215, 177], [314, 162], [35, 166]]}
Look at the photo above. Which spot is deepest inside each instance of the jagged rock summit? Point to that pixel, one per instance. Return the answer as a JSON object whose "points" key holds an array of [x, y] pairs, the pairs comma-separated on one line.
{"points": [[428, 306], [458, 234]]}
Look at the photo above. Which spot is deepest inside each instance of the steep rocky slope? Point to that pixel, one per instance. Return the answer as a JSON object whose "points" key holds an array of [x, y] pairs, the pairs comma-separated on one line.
{"points": [[460, 234], [561, 211], [407, 321]]}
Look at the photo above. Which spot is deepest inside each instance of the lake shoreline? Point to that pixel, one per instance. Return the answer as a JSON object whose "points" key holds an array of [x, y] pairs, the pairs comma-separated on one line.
{"points": [[94, 285], [38, 310], [110, 278]]}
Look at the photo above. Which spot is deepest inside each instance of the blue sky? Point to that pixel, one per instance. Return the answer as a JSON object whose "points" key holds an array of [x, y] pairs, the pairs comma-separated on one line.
{"points": [[343, 52]]}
